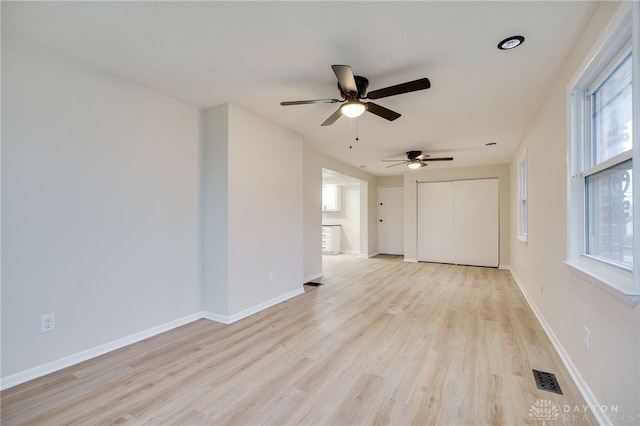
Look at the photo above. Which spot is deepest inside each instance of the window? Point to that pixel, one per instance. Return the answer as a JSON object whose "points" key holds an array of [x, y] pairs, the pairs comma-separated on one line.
{"points": [[330, 198], [609, 167], [601, 225], [522, 199]]}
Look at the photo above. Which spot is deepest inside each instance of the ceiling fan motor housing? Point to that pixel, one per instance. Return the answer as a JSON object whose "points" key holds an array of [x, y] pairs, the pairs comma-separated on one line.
{"points": [[413, 154], [361, 82]]}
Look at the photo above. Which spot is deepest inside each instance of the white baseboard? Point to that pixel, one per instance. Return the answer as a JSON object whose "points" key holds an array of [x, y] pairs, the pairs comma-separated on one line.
{"points": [[410, 259], [228, 319], [59, 364], [350, 251], [212, 316], [310, 278], [506, 267], [68, 361], [581, 384], [264, 305], [368, 255]]}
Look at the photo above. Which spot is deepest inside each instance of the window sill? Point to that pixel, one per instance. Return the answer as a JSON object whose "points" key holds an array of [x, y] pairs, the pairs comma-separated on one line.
{"points": [[604, 283]]}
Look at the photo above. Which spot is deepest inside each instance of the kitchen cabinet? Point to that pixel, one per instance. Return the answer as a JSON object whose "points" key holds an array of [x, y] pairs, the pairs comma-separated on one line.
{"points": [[331, 239]]}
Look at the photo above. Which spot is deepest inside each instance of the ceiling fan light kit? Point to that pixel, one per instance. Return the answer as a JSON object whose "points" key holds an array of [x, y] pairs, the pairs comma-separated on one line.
{"points": [[416, 164], [353, 88], [353, 109]]}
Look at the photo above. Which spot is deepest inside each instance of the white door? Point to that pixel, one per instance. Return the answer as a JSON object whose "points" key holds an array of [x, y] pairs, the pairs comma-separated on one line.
{"points": [[475, 222], [458, 222], [391, 220], [435, 222]]}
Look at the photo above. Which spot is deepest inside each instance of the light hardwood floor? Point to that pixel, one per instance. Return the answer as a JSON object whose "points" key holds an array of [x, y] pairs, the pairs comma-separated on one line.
{"points": [[381, 342]]}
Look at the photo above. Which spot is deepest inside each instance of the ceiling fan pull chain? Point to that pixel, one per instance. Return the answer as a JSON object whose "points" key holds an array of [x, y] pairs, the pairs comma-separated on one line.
{"points": [[357, 130], [350, 129]]}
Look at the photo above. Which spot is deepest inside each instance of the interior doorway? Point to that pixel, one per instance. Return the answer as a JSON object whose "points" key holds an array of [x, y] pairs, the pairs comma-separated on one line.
{"points": [[341, 212]]}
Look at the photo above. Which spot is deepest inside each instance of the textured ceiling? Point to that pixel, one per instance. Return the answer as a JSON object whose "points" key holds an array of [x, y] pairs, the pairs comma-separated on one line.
{"points": [[256, 54]]}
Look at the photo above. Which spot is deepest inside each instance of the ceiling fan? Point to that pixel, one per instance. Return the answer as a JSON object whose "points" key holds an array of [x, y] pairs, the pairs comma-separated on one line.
{"points": [[416, 159], [353, 88]]}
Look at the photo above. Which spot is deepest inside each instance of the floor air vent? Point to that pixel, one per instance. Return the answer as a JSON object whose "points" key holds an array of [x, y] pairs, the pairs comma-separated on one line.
{"points": [[546, 381]]}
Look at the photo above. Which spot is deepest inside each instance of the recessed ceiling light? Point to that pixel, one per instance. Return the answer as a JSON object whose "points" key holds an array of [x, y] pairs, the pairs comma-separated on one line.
{"points": [[510, 42]]}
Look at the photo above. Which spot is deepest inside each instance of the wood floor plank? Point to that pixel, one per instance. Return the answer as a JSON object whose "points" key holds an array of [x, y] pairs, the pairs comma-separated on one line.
{"points": [[381, 341]]}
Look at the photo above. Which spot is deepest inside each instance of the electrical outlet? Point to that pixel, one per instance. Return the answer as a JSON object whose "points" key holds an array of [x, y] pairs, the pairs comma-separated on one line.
{"points": [[587, 339], [47, 322], [272, 276]]}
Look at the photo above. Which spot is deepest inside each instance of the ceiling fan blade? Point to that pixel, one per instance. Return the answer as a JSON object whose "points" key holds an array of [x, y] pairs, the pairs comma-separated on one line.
{"points": [[398, 89], [438, 159], [312, 101], [381, 111], [395, 160], [332, 118], [344, 74], [399, 164]]}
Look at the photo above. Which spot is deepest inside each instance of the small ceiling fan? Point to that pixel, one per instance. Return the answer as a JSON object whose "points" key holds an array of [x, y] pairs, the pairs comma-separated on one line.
{"points": [[416, 159], [353, 88]]}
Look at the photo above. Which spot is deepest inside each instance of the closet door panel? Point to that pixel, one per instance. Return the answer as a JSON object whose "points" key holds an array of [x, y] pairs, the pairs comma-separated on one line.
{"points": [[435, 222], [476, 222]]}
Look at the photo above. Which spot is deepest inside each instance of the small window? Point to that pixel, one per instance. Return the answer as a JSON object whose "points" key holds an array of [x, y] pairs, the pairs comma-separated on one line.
{"points": [[330, 198], [522, 199]]}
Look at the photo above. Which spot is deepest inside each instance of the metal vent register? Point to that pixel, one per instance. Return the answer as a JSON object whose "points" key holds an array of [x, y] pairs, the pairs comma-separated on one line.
{"points": [[546, 381]]}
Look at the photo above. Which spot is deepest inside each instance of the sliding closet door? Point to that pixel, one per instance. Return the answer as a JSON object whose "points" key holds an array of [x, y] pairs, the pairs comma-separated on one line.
{"points": [[435, 222], [475, 219]]}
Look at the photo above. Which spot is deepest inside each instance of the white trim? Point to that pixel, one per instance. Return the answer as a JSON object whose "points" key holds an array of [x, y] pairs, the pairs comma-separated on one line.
{"points": [[67, 361], [212, 316], [505, 267], [581, 384], [310, 278], [368, 255], [613, 37], [614, 161], [410, 259], [604, 283], [350, 251], [228, 319]]}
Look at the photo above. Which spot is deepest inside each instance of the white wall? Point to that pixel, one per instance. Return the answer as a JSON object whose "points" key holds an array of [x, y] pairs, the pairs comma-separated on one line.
{"points": [[369, 219], [215, 210], [100, 213], [312, 212], [425, 174], [611, 370], [263, 206], [348, 217]]}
